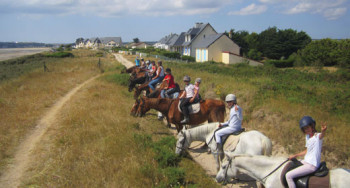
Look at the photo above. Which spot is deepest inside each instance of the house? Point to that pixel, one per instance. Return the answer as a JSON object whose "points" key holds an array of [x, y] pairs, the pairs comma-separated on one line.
{"points": [[194, 35], [177, 46], [211, 47], [100, 42], [166, 42], [137, 45]]}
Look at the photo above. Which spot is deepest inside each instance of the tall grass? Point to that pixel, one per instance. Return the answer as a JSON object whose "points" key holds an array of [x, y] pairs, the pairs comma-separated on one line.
{"points": [[96, 143], [26, 96], [274, 100]]}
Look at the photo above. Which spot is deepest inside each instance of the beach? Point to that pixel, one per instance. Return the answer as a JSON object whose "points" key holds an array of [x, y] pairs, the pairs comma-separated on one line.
{"points": [[9, 53]]}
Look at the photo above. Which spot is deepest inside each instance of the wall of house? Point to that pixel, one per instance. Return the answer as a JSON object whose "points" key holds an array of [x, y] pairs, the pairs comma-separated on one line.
{"points": [[222, 44], [229, 58], [208, 30]]}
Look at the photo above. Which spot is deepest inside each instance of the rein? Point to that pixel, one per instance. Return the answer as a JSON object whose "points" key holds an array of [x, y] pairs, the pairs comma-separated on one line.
{"points": [[274, 170], [230, 163]]}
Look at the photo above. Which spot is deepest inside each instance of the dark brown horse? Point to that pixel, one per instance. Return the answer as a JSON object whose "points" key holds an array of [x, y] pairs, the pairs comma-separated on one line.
{"points": [[211, 110], [149, 92]]}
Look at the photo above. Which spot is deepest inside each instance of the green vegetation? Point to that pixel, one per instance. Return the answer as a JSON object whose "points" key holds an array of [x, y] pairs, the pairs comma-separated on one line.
{"points": [[59, 54]]}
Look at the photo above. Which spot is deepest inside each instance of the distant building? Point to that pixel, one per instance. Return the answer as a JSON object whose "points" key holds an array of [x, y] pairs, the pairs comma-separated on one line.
{"points": [[137, 45], [103, 42], [166, 42]]}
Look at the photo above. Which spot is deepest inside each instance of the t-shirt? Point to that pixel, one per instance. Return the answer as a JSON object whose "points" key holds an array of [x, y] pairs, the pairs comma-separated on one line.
{"points": [[171, 83], [137, 62], [189, 90], [314, 148]]}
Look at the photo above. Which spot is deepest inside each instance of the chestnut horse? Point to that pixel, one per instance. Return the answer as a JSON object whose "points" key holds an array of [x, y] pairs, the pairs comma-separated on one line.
{"points": [[211, 110]]}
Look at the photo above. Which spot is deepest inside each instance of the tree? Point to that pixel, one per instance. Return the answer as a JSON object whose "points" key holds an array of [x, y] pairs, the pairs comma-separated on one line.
{"points": [[136, 40]]}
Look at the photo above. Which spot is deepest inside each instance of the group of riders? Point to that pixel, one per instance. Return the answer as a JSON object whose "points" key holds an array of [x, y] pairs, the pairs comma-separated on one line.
{"points": [[307, 124]]}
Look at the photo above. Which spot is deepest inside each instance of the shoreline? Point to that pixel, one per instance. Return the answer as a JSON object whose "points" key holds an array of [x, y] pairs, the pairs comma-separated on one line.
{"points": [[11, 53]]}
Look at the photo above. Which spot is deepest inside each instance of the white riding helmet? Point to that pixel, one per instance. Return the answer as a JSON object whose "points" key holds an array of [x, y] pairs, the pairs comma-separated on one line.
{"points": [[230, 97]]}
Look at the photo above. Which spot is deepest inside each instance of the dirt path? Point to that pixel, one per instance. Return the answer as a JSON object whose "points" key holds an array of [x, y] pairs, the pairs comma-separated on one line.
{"points": [[12, 175], [197, 153]]}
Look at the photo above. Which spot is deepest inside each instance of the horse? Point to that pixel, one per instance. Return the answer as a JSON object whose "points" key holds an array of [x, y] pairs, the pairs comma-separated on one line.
{"points": [[251, 142], [128, 70], [210, 109], [140, 78], [267, 170]]}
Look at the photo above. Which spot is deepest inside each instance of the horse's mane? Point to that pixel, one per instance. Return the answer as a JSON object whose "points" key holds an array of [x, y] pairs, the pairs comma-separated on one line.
{"points": [[203, 129]]}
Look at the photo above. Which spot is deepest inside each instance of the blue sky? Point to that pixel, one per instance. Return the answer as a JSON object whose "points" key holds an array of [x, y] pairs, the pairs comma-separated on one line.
{"points": [[63, 21]]}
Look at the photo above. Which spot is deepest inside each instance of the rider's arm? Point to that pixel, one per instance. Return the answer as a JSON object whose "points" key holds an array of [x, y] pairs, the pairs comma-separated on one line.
{"points": [[195, 94], [298, 154]]}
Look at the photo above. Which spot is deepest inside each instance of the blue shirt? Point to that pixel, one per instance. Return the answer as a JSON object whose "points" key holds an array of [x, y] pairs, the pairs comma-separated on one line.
{"points": [[137, 61]]}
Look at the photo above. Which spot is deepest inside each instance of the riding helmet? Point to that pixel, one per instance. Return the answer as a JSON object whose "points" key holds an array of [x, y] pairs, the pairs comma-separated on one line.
{"points": [[305, 121], [187, 79], [231, 97]]}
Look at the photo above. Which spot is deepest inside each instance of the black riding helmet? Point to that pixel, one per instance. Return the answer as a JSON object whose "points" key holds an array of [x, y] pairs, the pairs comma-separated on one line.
{"points": [[168, 70], [305, 121]]}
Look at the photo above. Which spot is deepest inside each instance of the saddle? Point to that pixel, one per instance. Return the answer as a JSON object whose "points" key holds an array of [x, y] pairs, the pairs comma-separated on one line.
{"points": [[232, 139], [193, 108], [317, 179]]}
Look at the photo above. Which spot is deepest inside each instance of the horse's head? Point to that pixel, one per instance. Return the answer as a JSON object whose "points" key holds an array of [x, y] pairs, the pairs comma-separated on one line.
{"points": [[135, 107], [228, 169], [181, 143], [143, 107]]}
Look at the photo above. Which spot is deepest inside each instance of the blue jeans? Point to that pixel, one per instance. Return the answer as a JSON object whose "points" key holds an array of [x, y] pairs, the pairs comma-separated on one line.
{"points": [[152, 83], [167, 93]]}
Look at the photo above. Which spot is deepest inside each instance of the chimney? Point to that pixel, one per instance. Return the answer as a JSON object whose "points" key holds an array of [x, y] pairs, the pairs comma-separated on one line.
{"points": [[197, 25], [230, 34]]}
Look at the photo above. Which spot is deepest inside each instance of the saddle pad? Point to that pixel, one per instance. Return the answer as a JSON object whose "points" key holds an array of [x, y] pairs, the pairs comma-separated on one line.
{"points": [[193, 108], [319, 182]]}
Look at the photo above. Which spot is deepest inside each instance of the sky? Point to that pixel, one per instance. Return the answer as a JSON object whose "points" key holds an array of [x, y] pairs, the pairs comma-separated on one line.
{"points": [[63, 21]]}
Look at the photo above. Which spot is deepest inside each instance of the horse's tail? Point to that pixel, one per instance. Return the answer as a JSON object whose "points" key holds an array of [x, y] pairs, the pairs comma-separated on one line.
{"points": [[267, 146]]}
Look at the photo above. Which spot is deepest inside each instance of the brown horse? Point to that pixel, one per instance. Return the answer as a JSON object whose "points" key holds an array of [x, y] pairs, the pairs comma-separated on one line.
{"points": [[211, 110], [149, 92]]}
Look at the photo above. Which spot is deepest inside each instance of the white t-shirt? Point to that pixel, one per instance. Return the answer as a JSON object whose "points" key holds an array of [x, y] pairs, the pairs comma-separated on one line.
{"points": [[189, 90], [314, 148]]}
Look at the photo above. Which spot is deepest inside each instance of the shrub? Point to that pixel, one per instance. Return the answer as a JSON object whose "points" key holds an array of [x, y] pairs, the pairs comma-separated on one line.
{"points": [[281, 63], [60, 54], [175, 55], [188, 58]]}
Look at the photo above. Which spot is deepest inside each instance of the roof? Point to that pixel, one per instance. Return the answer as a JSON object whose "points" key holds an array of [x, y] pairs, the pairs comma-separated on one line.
{"points": [[180, 39], [208, 40], [194, 32], [169, 39], [106, 40]]}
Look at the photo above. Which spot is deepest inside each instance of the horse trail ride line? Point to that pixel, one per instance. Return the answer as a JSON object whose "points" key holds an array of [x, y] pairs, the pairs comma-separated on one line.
{"points": [[12, 175], [198, 154]]}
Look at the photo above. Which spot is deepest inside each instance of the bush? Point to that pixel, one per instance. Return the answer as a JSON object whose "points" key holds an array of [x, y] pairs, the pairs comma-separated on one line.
{"points": [[281, 63], [188, 58], [60, 54], [175, 55]]}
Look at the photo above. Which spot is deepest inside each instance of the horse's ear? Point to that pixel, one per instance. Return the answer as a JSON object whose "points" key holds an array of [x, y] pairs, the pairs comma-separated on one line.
{"points": [[184, 128]]}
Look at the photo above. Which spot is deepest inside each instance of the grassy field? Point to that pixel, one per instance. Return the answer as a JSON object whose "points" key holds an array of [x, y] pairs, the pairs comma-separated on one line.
{"points": [[94, 142], [274, 100]]}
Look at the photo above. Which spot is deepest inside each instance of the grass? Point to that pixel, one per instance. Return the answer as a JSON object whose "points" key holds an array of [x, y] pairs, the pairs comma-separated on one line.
{"points": [[25, 97], [99, 144], [94, 142], [274, 100]]}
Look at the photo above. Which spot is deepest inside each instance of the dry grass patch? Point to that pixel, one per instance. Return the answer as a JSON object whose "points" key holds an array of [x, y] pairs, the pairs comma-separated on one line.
{"points": [[24, 100]]}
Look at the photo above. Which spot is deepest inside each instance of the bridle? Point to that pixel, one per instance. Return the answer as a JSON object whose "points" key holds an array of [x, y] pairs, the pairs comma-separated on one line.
{"points": [[262, 179]]}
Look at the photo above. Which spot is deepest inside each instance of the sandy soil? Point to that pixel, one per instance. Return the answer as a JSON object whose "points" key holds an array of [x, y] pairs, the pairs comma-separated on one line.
{"points": [[10, 53], [13, 173]]}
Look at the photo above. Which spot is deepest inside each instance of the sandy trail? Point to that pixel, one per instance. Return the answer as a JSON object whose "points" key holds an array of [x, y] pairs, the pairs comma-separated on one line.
{"points": [[197, 153], [12, 175]]}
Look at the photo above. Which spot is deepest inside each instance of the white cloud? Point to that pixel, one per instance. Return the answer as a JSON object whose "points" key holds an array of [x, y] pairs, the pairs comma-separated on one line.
{"points": [[331, 10], [250, 9], [114, 7]]}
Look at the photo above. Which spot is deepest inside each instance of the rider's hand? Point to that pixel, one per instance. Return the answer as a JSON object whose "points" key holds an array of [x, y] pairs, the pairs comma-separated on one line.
{"points": [[236, 108], [220, 125], [323, 126], [291, 157], [191, 100]]}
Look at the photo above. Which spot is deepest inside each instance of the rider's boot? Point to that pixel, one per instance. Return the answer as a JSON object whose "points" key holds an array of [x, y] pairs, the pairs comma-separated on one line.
{"points": [[186, 120], [220, 151]]}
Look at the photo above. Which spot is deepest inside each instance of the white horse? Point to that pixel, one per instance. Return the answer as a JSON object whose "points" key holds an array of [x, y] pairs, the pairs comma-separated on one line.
{"points": [[260, 167], [251, 142]]}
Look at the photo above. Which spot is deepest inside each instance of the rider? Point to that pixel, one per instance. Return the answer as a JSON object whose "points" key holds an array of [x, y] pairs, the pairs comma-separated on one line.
{"points": [[137, 61], [143, 63], [171, 88], [312, 152], [234, 124], [192, 95], [159, 76]]}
